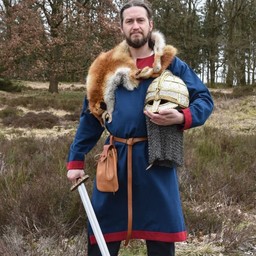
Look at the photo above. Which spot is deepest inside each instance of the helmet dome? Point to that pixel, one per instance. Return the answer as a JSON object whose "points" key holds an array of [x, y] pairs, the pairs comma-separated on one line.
{"points": [[166, 92]]}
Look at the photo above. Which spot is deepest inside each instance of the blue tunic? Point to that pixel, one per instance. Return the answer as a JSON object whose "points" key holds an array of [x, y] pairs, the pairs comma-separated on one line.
{"points": [[157, 212]]}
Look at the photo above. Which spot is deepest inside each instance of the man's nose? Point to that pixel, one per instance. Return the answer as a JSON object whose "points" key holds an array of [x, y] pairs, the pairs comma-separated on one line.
{"points": [[135, 25]]}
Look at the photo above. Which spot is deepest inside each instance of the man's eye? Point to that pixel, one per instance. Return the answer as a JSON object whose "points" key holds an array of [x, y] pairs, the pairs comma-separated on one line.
{"points": [[140, 21]]}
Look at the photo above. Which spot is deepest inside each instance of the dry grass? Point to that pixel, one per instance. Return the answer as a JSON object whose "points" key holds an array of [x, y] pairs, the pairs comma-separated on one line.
{"points": [[13, 243], [40, 216]]}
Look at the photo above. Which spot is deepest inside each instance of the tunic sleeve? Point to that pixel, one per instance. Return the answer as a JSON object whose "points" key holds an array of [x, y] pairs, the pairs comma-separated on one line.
{"points": [[201, 103], [88, 133]]}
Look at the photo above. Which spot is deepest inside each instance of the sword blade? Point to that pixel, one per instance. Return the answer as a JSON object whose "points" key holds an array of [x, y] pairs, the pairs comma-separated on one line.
{"points": [[93, 220]]}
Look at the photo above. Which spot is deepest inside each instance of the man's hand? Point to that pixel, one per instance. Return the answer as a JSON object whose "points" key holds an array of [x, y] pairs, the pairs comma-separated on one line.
{"points": [[166, 117], [75, 174]]}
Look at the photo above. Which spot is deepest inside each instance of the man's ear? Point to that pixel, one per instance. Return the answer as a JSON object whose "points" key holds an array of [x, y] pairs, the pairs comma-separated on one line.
{"points": [[121, 29], [151, 25]]}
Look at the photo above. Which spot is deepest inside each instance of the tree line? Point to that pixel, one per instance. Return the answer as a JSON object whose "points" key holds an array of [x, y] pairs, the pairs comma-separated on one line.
{"points": [[55, 40]]}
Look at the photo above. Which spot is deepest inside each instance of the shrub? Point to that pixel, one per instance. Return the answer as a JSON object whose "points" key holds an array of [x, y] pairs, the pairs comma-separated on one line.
{"points": [[217, 85], [9, 112], [240, 91], [72, 117], [202, 220], [35, 190], [39, 213], [32, 120], [34, 100], [217, 184], [213, 169], [9, 86]]}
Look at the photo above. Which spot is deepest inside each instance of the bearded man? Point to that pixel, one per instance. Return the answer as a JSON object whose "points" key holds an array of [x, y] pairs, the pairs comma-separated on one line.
{"points": [[147, 204]]}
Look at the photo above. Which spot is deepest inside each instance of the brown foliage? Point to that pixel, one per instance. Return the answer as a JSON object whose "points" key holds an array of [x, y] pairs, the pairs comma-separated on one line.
{"points": [[54, 42], [24, 39]]}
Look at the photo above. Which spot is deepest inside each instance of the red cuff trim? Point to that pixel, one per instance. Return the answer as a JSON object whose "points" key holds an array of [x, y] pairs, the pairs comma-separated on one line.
{"points": [[146, 235], [188, 118], [75, 165]]}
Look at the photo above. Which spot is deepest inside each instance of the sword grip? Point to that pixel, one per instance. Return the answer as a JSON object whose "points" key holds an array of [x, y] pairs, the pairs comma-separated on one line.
{"points": [[79, 182]]}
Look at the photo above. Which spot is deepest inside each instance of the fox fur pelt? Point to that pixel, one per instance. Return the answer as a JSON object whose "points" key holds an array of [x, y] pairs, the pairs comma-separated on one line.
{"points": [[116, 67]]}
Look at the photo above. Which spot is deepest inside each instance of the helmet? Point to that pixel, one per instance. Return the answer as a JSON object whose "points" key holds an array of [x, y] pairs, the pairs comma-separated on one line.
{"points": [[166, 92]]}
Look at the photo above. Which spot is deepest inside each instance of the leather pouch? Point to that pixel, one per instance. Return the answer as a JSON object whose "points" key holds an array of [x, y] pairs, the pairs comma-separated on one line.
{"points": [[106, 174]]}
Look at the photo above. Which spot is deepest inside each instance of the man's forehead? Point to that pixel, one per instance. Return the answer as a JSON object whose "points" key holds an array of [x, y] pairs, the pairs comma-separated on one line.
{"points": [[135, 12]]}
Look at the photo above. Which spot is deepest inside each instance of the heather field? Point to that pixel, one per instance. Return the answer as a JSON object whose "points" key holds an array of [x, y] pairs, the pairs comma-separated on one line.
{"points": [[40, 216]]}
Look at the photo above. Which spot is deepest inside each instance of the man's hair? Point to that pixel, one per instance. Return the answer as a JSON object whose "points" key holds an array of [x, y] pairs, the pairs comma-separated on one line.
{"points": [[141, 3]]}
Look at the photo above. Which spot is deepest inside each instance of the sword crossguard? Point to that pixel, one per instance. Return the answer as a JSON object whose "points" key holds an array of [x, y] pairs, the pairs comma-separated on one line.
{"points": [[79, 182]]}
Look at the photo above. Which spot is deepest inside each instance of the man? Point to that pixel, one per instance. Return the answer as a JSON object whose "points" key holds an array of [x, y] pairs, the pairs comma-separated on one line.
{"points": [[152, 211]]}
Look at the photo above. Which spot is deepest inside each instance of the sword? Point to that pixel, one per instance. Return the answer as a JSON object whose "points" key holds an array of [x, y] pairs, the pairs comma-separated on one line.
{"points": [[91, 214]]}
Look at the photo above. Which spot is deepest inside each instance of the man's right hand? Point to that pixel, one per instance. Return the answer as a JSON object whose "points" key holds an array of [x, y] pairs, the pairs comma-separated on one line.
{"points": [[74, 174]]}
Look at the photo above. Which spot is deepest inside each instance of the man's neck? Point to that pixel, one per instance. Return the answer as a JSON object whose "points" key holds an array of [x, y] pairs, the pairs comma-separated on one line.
{"points": [[142, 52]]}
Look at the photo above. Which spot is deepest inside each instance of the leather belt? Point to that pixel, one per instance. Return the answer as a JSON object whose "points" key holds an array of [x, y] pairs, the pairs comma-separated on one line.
{"points": [[130, 142]]}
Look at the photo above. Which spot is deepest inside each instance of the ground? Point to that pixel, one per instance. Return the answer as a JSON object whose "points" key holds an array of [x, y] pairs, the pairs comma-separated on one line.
{"points": [[236, 115]]}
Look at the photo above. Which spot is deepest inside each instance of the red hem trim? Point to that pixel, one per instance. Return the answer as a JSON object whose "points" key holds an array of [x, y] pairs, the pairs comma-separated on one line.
{"points": [[188, 118], [75, 165], [146, 235]]}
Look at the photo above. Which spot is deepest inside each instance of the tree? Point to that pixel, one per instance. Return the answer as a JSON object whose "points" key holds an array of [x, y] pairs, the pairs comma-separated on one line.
{"points": [[56, 39], [180, 23], [212, 35], [251, 35], [236, 45], [21, 39]]}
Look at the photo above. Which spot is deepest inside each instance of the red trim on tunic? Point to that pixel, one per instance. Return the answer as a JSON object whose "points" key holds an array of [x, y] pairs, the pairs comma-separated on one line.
{"points": [[149, 235], [146, 235], [75, 165], [188, 118]]}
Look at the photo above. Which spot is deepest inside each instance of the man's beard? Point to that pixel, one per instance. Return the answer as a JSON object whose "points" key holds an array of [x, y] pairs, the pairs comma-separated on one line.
{"points": [[138, 42]]}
